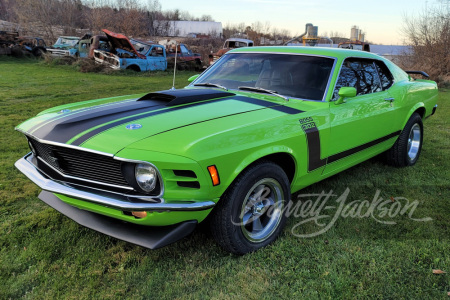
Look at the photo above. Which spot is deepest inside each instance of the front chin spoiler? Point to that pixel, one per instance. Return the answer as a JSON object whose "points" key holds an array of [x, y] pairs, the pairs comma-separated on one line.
{"points": [[148, 237]]}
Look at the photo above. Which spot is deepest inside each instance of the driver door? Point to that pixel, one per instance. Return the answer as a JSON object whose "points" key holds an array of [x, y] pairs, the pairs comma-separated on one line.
{"points": [[361, 124]]}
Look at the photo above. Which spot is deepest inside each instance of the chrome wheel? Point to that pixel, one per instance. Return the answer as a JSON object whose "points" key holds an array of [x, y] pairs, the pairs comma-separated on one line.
{"points": [[262, 210], [414, 142]]}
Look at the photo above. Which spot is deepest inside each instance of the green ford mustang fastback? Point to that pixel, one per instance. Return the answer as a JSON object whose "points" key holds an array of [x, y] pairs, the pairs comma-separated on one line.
{"points": [[230, 148]]}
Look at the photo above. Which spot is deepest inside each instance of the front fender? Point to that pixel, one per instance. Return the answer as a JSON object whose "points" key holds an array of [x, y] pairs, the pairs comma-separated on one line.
{"points": [[257, 155]]}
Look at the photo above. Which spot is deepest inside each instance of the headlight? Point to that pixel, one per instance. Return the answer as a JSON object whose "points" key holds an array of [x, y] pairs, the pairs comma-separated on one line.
{"points": [[146, 177]]}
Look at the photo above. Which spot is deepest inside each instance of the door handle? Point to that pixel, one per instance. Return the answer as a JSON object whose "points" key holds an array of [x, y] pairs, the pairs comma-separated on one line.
{"points": [[390, 100]]}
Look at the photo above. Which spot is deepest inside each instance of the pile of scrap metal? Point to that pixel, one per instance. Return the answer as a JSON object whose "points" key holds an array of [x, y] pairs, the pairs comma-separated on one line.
{"points": [[131, 54], [231, 43], [13, 44]]}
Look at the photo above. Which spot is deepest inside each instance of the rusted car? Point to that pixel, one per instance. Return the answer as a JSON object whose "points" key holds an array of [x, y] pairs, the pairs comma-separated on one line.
{"points": [[186, 58], [86, 46], [231, 43], [131, 54]]}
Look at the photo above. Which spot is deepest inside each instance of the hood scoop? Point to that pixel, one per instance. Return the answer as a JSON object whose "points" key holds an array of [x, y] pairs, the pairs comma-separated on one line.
{"points": [[185, 96]]}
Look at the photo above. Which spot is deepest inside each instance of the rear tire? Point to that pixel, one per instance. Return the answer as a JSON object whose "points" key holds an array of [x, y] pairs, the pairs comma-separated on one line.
{"points": [[251, 214], [407, 148]]}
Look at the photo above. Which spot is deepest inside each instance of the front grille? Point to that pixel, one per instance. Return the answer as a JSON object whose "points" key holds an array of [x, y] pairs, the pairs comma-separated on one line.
{"points": [[81, 164]]}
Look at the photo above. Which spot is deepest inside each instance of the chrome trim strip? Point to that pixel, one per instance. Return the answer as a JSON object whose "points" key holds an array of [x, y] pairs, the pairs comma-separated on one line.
{"points": [[85, 180], [64, 145], [106, 199]]}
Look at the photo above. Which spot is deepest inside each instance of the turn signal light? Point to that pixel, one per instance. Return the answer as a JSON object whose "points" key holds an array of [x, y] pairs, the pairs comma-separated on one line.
{"points": [[214, 175], [139, 214]]}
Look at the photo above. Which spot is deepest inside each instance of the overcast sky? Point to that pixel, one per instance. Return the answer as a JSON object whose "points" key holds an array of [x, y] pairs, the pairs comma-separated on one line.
{"points": [[381, 20]]}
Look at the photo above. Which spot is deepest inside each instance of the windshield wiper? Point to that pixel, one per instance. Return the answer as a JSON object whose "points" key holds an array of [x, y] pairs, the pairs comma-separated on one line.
{"points": [[258, 89], [212, 85]]}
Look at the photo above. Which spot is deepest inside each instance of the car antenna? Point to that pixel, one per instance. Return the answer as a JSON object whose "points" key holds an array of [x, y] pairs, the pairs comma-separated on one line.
{"points": [[175, 67]]}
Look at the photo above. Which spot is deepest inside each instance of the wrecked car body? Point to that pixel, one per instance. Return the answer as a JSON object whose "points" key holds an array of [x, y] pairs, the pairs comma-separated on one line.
{"points": [[131, 54], [186, 58], [86, 46], [230, 44], [64, 46]]}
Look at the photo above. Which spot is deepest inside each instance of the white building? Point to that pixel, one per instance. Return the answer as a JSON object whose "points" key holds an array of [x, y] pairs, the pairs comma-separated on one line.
{"points": [[187, 28]]}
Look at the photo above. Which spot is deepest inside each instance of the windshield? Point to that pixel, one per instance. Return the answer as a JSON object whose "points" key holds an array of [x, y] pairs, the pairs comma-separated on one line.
{"points": [[298, 76], [140, 47], [65, 41]]}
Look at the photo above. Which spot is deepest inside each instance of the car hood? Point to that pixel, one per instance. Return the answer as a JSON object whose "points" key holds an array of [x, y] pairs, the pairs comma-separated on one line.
{"points": [[111, 127], [120, 41]]}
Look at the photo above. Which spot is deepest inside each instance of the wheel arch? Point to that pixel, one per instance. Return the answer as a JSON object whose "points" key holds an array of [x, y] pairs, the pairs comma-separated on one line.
{"points": [[134, 67], [284, 159], [418, 108]]}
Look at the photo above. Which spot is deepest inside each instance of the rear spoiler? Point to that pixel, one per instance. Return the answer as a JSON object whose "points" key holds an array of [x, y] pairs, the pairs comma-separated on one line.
{"points": [[418, 72]]}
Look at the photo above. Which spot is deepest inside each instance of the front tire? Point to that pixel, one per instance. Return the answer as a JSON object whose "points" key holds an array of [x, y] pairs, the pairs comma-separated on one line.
{"points": [[407, 148], [251, 214]]}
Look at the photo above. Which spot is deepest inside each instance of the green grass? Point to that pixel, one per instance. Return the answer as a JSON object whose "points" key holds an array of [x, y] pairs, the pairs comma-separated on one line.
{"points": [[45, 255]]}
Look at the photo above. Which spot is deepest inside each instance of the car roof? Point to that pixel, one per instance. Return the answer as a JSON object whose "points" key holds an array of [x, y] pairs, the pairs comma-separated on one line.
{"points": [[321, 51]]}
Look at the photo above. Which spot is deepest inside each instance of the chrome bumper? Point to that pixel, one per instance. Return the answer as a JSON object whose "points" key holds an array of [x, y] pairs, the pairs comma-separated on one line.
{"points": [[112, 200]]}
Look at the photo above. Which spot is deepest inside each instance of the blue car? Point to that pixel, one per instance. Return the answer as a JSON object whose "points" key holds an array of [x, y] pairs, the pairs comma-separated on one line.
{"points": [[131, 54]]}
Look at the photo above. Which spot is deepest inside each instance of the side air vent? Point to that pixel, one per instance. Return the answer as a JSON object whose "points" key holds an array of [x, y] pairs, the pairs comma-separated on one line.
{"points": [[189, 184], [186, 96], [185, 173]]}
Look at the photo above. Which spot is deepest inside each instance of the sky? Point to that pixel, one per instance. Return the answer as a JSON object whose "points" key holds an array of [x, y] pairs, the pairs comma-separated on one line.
{"points": [[381, 20]]}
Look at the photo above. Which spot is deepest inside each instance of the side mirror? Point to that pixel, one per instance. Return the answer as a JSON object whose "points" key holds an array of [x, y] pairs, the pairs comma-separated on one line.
{"points": [[192, 78], [345, 92]]}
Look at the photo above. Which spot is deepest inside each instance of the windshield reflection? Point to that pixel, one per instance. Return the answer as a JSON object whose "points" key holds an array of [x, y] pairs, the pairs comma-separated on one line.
{"points": [[298, 76]]}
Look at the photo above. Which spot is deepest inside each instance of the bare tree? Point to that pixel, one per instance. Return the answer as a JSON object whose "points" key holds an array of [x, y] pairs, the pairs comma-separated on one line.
{"points": [[429, 37]]}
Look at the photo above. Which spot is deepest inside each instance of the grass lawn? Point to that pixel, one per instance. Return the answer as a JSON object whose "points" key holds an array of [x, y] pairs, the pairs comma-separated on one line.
{"points": [[45, 255]]}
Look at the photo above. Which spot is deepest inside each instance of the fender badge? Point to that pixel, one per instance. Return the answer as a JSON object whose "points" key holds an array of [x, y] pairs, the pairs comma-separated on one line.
{"points": [[134, 126]]}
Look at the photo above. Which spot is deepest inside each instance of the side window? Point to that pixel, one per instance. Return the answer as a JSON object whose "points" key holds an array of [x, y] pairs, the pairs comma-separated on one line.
{"points": [[358, 73], [385, 75]]}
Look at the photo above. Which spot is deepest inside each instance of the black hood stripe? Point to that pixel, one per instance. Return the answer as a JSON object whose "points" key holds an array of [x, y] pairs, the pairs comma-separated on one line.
{"points": [[98, 108], [259, 102], [62, 130]]}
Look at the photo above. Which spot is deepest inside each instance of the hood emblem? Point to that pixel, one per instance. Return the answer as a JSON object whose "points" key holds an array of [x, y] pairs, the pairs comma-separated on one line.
{"points": [[64, 111], [134, 126]]}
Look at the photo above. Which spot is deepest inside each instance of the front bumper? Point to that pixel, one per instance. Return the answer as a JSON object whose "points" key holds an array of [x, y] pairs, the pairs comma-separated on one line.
{"points": [[107, 199]]}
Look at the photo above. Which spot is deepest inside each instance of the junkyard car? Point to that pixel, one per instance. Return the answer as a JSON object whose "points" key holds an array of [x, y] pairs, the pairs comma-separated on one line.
{"points": [[230, 44], [86, 46], [64, 46], [131, 54], [255, 127]]}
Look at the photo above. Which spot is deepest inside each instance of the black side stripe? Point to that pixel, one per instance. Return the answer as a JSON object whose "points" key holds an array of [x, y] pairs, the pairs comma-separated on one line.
{"points": [[314, 155], [338, 156], [259, 102]]}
